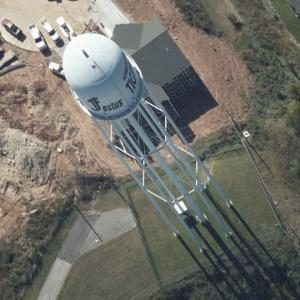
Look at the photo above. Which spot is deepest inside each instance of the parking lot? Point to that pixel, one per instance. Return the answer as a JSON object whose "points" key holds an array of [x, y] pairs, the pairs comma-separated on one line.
{"points": [[24, 13]]}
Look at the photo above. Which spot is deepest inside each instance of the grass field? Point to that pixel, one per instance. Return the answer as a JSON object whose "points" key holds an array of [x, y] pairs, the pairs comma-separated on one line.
{"points": [[238, 179], [108, 201], [117, 270], [288, 16], [220, 10], [122, 263], [105, 202]]}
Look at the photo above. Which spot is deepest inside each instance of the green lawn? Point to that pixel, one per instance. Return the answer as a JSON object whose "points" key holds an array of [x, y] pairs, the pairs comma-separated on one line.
{"points": [[238, 179], [109, 200], [236, 175], [166, 253], [287, 14], [122, 263], [116, 270], [103, 202]]}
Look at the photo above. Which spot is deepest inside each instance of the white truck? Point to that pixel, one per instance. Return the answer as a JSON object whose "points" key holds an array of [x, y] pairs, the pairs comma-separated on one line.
{"points": [[38, 38], [53, 34], [65, 28], [56, 69]]}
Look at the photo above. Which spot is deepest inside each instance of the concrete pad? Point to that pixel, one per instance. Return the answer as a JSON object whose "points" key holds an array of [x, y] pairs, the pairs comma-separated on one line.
{"points": [[82, 239], [24, 13], [107, 15], [77, 236], [55, 280], [109, 225]]}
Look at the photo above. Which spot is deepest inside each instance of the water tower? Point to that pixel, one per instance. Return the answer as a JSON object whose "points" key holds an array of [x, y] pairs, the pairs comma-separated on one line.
{"points": [[108, 85]]}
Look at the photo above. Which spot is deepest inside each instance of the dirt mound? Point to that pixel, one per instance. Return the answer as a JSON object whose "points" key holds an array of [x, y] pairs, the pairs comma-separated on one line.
{"points": [[26, 155], [40, 140]]}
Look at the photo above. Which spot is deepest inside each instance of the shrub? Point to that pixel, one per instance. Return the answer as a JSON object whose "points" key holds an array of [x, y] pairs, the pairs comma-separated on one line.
{"points": [[21, 260], [39, 86], [297, 169], [195, 15], [294, 91], [235, 22], [293, 116]]}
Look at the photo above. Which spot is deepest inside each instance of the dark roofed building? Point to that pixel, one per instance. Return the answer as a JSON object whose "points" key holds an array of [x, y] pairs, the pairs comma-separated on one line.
{"points": [[168, 73], [295, 4]]}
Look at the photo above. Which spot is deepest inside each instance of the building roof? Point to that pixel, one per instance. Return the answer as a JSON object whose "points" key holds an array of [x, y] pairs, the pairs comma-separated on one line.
{"points": [[296, 5], [135, 36], [157, 55]]}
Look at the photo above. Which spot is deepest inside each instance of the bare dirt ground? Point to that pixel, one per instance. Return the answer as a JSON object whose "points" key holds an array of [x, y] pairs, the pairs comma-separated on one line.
{"points": [[42, 134], [217, 64]]}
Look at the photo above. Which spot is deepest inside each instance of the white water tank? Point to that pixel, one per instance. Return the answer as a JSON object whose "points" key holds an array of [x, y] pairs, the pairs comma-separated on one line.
{"points": [[106, 80]]}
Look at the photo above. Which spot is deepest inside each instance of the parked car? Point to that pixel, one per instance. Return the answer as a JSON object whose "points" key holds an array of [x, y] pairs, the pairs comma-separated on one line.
{"points": [[53, 34], [56, 69], [12, 28], [65, 28], [38, 38]]}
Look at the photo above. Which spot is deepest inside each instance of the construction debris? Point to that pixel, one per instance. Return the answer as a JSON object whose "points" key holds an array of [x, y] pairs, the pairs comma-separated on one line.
{"points": [[9, 62]]}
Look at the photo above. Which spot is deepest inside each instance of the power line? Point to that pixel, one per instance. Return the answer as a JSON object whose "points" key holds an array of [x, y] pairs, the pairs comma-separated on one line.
{"points": [[79, 211], [261, 180]]}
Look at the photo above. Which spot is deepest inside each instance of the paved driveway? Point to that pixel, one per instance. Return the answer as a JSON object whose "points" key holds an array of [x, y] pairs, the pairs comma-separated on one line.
{"points": [[24, 13], [107, 15]]}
